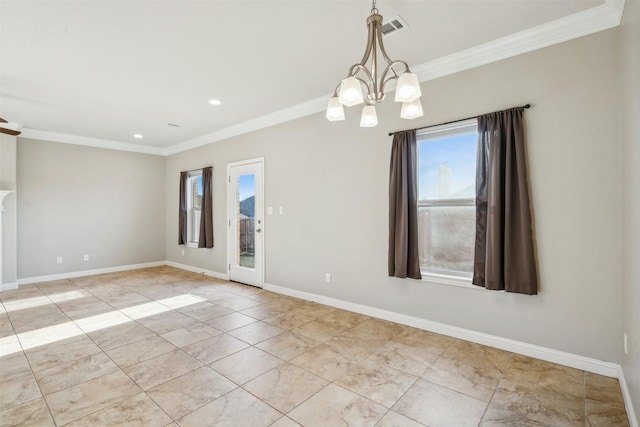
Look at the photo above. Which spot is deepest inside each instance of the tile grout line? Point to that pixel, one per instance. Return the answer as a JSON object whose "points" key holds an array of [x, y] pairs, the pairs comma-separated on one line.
{"points": [[495, 389]]}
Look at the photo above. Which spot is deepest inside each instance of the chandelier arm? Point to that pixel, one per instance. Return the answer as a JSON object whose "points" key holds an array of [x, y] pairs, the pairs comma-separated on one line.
{"points": [[384, 83], [370, 42], [378, 34], [366, 84], [360, 67], [375, 28], [395, 75], [335, 91]]}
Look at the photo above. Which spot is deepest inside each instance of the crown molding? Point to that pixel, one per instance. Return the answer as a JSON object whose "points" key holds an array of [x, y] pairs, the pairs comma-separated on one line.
{"points": [[281, 116], [90, 142], [590, 21], [599, 18]]}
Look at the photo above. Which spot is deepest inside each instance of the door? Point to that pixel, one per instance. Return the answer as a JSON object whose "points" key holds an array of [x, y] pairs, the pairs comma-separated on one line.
{"points": [[245, 205]]}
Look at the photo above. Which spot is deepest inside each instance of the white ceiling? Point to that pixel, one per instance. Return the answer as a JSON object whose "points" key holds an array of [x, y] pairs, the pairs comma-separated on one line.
{"points": [[104, 70]]}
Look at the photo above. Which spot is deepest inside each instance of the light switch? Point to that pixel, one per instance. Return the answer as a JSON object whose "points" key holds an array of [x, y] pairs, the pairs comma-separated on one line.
{"points": [[269, 210], [281, 210]]}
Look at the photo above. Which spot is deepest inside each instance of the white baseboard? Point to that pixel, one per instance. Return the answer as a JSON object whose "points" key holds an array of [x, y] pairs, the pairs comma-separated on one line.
{"points": [[628, 403], [74, 274], [193, 269], [538, 352], [8, 286], [82, 273]]}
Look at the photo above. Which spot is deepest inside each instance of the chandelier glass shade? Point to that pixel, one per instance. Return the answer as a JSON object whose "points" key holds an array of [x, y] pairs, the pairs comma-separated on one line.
{"points": [[335, 110], [369, 117], [366, 75], [411, 110]]}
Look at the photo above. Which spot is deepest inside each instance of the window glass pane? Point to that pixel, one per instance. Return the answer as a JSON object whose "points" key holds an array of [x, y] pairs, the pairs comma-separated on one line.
{"points": [[195, 225], [446, 193], [447, 235], [194, 207], [447, 167], [197, 191], [246, 216]]}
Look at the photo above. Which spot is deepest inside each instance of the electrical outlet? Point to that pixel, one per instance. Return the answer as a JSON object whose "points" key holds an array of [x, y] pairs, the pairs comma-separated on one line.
{"points": [[327, 277], [183, 252], [85, 257], [626, 348], [59, 260]]}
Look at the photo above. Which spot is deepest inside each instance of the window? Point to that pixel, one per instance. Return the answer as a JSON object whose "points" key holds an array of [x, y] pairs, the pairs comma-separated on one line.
{"points": [[194, 206], [446, 199]]}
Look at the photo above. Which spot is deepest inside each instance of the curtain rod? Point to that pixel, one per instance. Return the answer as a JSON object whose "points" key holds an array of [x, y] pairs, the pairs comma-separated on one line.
{"points": [[527, 106], [198, 169]]}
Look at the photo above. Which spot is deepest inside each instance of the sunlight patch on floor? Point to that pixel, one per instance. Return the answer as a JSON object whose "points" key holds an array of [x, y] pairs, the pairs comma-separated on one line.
{"points": [[27, 340], [22, 304]]}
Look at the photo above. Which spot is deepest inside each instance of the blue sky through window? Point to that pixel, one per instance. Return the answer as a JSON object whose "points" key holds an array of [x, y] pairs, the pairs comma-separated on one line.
{"points": [[246, 186], [447, 167], [199, 179]]}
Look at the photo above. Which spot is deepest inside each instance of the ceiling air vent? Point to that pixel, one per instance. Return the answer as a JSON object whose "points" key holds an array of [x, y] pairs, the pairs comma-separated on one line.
{"points": [[393, 25]]}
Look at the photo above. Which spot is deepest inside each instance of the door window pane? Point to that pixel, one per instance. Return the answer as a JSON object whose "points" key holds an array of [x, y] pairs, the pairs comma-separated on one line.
{"points": [[246, 201]]}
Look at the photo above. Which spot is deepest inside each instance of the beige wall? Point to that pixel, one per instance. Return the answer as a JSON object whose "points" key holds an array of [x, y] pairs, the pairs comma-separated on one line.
{"points": [[332, 180], [9, 216], [75, 200], [630, 136]]}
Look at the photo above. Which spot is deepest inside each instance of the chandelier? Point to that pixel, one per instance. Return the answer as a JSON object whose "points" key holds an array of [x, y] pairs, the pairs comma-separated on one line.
{"points": [[349, 92]]}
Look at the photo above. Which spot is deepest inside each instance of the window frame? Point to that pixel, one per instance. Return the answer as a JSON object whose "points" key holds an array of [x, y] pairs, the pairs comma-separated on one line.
{"points": [[448, 277], [193, 232]]}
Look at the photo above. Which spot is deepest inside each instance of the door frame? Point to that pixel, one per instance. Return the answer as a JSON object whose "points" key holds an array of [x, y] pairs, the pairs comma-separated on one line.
{"points": [[230, 238]]}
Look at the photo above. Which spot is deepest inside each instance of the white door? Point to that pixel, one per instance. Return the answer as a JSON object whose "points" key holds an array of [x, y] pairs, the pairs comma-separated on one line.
{"points": [[245, 205]]}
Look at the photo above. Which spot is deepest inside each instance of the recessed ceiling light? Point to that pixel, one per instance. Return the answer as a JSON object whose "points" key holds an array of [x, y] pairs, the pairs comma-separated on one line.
{"points": [[138, 135], [215, 102]]}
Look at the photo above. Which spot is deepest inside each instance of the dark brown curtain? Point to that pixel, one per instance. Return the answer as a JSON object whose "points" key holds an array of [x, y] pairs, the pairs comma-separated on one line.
{"points": [[404, 260], [504, 250], [206, 219], [182, 213]]}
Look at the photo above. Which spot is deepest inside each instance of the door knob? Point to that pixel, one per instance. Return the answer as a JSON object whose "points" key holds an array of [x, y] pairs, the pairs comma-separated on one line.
{"points": [[258, 230]]}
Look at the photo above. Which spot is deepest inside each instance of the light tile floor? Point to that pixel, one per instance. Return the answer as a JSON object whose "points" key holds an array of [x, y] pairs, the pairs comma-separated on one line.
{"points": [[163, 347]]}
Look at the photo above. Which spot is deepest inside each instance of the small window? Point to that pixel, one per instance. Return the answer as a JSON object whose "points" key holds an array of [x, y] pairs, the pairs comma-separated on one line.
{"points": [[446, 199], [194, 205]]}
